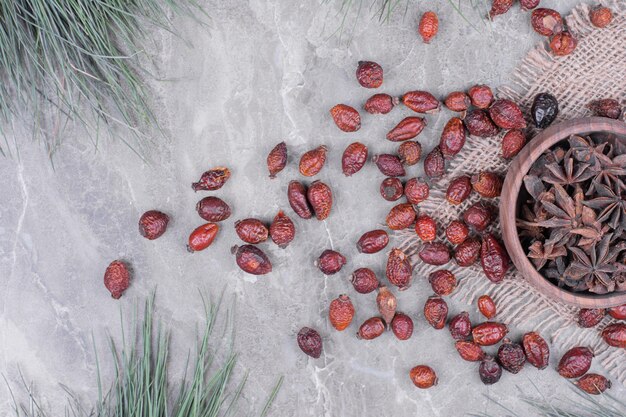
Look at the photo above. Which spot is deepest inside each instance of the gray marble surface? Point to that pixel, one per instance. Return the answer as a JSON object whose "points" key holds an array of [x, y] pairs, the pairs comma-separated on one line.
{"points": [[263, 72]]}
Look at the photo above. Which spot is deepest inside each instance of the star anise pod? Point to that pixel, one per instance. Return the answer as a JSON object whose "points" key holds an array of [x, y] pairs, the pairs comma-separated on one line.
{"points": [[540, 253], [612, 206], [556, 270], [527, 224], [585, 150], [609, 174], [568, 172]]}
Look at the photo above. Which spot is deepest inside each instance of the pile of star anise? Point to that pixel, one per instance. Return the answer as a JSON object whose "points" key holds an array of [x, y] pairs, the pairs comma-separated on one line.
{"points": [[573, 223]]}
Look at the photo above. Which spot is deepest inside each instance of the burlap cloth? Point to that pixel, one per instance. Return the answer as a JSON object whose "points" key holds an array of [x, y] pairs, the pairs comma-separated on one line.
{"points": [[596, 69]]}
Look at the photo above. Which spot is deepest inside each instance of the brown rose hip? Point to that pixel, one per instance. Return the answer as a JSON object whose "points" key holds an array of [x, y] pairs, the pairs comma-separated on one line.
{"points": [[593, 384], [346, 118], [489, 371], [371, 329], [469, 351], [202, 237], [152, 224], [386, 303], [369, 74], [380, 104], [389, 165], [421, 102], [428, 26], [489, 333], [212, 179], [575, 362], [479, 216], [341, 312], [252, 259], [297, 196], [435, 253], [399, 271], [546, 22], [478, 123], [436, 312], [117, 278], [512, 143], [527, 5], [282, 230], [563, 43], [353, 158], [321, 199], [536, 350], [600, 16], [401, 216], [507, 115], [213, 209], [443, 282], [452, 138], [312, 162], [457, 232], [487, 184], [410, 152], [589, 317], [615, 335], [364, 280], [480, 96], [494, 259], [486, 306], [457, 101], [373, 241], [426, 228], [277, 159], [468, 252], [607, 107], [618, 313], [416, 190], [423, 376], [310, 342], [459, 189], [460, 326], [402, 326], [499, 7], [330, 262], [391, 189], [511, 356], [408, 128], [434, 164], [251, 230]]}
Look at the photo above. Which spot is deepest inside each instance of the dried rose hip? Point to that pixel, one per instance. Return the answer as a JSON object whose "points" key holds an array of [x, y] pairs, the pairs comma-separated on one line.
{"points": [[380, 104], [452, 138], [489, 333], [426, 228], [310, 342], [153, 224], [386, 303], [410, 152], [330, 262], [507, 115], [282, 230], [408, 128], [117, 278], [486, 306], [457, 101], [511, 356], [563, 43], [468, 252], [589, 317], [487, 184], [402, 326], [494, 259], [416, 190], [391, 189], [615, 335], [389, 165], [499, 7], [423, 376], [312, 162], [277, 159], [460, 326], [321, 199], [202, 237], [479, 216], [212, 179], [618, 313], [489, 371], [354, 158], [600, 16], [364, 280], [252, 259], [527, 5], [469, 351], [459, 189], [434, 164], [297, 196], [481, 96], [251, 230], [435, 253], [575, 362], [428, 26], [544, 110], [443, 282], [213, 209], [369, 74], [512, 143], [607, 107], [399, 270], [436, 312], [593, 384], [401, 216], [546, 22], [373, 241], [371, 329], [478, 123], [346, 118], [421, 102], [457, 232], [536, 350], [341, 312]]}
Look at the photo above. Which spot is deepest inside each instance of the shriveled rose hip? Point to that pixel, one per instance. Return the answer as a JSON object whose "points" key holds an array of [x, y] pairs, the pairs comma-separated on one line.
{"points": [[489, 371], [320, 198], [341, 312], [213, 209], [426, 228], [486, 306], [487, 184], [481, 96], [416, 190], [202, 237], [346, 118], [386, 303], [391, 189], [310, 342], [369, 74], [389, 165], [371, 329], [460, 326], [399, 271], [252, 259], [421, 102], [277, 159], [457, 232], [511, 356], [527, 5], [354, 158], [297, 196], [467, 252], [212, 179], [546, 22], [380, 104], [423, 376], [469, 351], [593, 384], [312, 162], [499, 7], [575, 362], [507, 115], [410, 152], [452, 138], [618, 313], [589, 317], [536, 350], [282, 230], [489, 333], [563, 43], [434, 164], [512, 143], [436, 312], [601, 16], [152, 224], [457, 101], [494, 259], [443, 282], [615, 335], [373, 241], [607, 107], [428, 26], [117, 278], [400, 216], [435, 253], [402, 326], [364, 280], [479, 216], [408, 128], [478, 123], [330, 262], [459, 189], [251, 230]]}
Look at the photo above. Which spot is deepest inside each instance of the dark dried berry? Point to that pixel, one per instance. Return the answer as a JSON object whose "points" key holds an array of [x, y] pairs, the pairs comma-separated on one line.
{"points": [[399, 271], [536, 350], [212, 179], [282, 230], [544, 110], [410, 152], [153, 224], [511, 356], [252, 259], [575, 362], [435, 253], [469, 351], [486, 306], [402, 326], [434, 164], [452, 138], [408, 128], [593, 384], [401, 216], [251, 230], [341, 312], [494, 259], [563, 43], [499, 7], [479, 216], [507, 115], [487, 184], [460, 326], [371, 329], [421, 102], [369, 74], [457, 232], [423, 376], [607, 107], [436, 312], [380, 104], [589, 317], [213, 209], [457, 101], [312, 162], [426, 228], [618, 313], [330, 262], [459, 189], [443, 282], [346, 118], [386, 303], [512, 143], [117, 278], [310, 342], [389, 165], [416, 190], [478, 123], [277, 159], [321, 199], [364, 280], [428, 26], [600, 16], [527, 5], [391, 189], [202, 237], [481, 96], [546, 22], [489, 333], [354, 158], [297, 196], [373, 241], [489, 371], [615, 335], [468, 252]]}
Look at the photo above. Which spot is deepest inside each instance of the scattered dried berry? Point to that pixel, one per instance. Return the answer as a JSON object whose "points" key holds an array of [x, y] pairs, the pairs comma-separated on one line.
{"points": [[589, 317], [489, 371], [212, 179], [421, 102], [600, 16], [371, 329], [507, 115], [436, 312], [434, 164], [546, 22], [618, 313], [478, 123], [346, 118], [452, 138], [544, 110], [401, 216], [416, 190], [399, 270], [321, 199], [330, 262], [468, 252], [459, 189], [391, 189], [428, 27], [615, 335], [457, 232], [481, 96], [297, 196], [282, 230], [373, 241], [213, 209], [607, 107], [423, 376], [380, 104], [511, 356], [563, 43], [386, 303], [527, 5], [457, 101], [252, 259], [402, 326], [341, 312], [443, 282], [593, 384], [410, 152], [460, 326], [312, 162], [310, 342], [435, 253], [479, 216], [426, 228], [277, 159], [486, 306], [489, 333], [512, 143], [152, 224], [117, 278], [364, 280], [575, 362], [408, 128], [202, 237], [354, 158], [251, 230], [469, 351], [494, 259], [389, 165], [369, 74], [487, 184], [499, 7], [536, 350]]}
